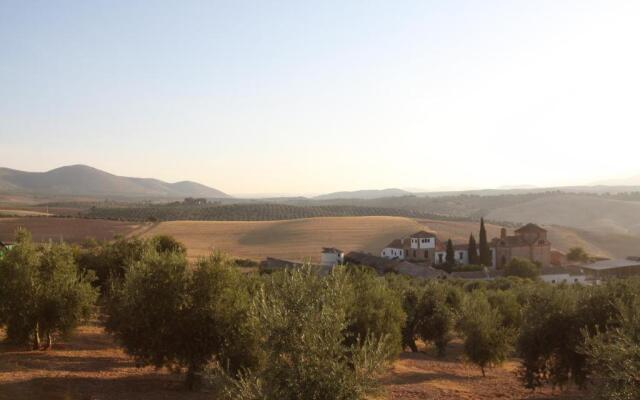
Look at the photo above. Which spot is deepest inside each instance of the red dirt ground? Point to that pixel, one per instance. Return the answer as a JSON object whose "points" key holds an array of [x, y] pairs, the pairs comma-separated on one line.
{"points": [[91, 367]]}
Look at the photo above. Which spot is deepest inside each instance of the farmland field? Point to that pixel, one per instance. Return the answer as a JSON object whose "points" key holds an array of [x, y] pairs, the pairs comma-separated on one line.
{"points": [[91, 366], [299, 238], [68, 229]]}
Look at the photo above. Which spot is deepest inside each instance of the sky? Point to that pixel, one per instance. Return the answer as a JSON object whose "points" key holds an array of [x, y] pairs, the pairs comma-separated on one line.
{"points": [[301, 97]]}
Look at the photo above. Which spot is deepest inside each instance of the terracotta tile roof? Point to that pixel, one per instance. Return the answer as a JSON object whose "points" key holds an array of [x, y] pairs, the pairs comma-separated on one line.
{"points": [[379, 263], [396, 244], [530, 228], [423, 234]]}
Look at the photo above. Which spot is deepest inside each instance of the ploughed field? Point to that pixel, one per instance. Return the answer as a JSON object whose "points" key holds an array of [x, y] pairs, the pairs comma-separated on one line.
{"points": [[89, 366], [68, 229], [295, 239]]}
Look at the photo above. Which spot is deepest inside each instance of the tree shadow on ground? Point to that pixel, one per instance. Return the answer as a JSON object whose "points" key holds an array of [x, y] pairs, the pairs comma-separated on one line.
{"points": [[143, 387]]}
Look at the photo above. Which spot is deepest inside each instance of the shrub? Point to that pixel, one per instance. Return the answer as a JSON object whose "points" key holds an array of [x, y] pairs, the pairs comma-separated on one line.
{"points": [[522, 268], [374, 309], [167, 315], [302, 318], [614, 356], [487, 341], [437, 314], [42, 293]]}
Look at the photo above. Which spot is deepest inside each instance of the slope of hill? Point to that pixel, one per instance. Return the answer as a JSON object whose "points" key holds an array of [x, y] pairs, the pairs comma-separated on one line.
{"points": [[304, 238], [590, 213], [364, 194], [82, 180]]}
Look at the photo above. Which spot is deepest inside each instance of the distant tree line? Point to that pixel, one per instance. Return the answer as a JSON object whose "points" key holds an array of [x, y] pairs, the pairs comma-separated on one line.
{"points": [[300, 334], [242, 212]]}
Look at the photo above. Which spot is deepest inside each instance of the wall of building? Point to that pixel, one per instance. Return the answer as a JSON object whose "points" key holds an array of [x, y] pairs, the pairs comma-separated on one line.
{"points": [[423, 243], [331, 259], [389, 252], [537, 253], [564, 278]]}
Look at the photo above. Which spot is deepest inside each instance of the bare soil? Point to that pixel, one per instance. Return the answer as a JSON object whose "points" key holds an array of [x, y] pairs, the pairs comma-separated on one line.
{"points": [[89, 366], [68, 229]]}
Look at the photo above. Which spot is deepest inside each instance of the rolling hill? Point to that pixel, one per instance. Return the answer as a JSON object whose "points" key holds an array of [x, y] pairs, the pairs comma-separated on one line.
{"points": [[82, 180], [303, 238], [590, 213], [364, 194]]}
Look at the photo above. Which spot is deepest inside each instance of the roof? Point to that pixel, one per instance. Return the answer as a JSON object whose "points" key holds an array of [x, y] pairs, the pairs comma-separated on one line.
{"points": [[442, 246], [274, 263], [423, 234], [379, 263], [419, 271], [530, 228], [484, 274], [331, 250], [396, 244], [611, 264], [560, 271]]}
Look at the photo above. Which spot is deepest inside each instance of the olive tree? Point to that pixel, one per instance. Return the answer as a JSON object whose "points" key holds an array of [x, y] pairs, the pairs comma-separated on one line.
{"points": [[42, 292], [487, 341], [374, 309], [438, 311], [302, 318], [166, 314], [614, 356]]}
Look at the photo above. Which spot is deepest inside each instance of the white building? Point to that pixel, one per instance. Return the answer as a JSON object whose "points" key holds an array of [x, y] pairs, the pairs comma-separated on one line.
{"points": [[558, 275], [331, 257], [394, 250], [423, 240]]}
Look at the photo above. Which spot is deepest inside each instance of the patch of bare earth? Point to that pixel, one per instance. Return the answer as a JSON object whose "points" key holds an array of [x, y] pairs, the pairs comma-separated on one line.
{"points": [[425, 376], [87, 367]]}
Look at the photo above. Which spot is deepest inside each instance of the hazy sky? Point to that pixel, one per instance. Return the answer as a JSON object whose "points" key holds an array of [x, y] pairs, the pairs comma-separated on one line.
{"points": [[309, 97]]}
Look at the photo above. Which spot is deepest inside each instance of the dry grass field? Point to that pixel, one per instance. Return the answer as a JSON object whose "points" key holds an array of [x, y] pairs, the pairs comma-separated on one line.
{"points": [[304, 238], [68, 229], [296, 239], [91, 367]]}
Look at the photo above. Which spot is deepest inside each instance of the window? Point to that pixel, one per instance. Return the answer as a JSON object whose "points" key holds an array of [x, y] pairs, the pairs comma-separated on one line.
{"points": [[553, 281], [461, 255], [414, 253]]}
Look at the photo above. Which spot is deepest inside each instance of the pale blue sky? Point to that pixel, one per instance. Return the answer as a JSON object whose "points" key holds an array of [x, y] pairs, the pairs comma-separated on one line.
{"points": [[309, 97]]}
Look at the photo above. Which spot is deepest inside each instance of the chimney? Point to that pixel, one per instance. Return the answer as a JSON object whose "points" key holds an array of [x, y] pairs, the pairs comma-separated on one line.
{"points": [[503, 233]]}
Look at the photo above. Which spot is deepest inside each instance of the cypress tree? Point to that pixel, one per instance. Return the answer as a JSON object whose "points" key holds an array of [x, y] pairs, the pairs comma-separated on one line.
{"points": [[451, 256], [473, 250], [485, 253]]}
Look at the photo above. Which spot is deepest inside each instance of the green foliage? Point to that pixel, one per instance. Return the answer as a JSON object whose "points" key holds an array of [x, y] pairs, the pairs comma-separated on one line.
{"points": [[110, 260], [484, 250], [437, 314], [578, 254], [450, 259], [522, 268], [487, 341], [614, 356], [245, 212], [409, 292], [166, 314], [168, 244], [473, 251], [303, 318], [374, 309], [555, 320], [42, 292]]}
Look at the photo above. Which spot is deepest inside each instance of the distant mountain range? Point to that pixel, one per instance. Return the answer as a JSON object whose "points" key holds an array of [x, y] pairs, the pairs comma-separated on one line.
{"points": [[632, 181], [82, 180], [364, 194]]}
